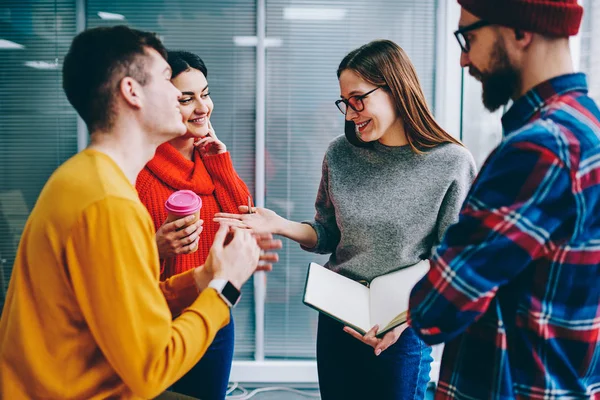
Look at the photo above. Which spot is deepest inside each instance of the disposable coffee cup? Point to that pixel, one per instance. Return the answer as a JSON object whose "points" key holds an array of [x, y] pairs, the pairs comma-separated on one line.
{"points": [[181, 204]]}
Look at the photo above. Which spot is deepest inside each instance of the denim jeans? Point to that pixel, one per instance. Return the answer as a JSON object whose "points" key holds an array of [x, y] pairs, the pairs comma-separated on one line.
{"points": [[208, 379], [349, 369]]}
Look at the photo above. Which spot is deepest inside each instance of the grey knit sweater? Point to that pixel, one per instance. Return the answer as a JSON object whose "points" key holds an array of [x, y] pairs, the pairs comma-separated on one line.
{"points": [[385, 208]]}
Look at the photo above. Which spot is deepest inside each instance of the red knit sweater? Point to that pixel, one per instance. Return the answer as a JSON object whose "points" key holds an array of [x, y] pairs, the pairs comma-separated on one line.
{"points": [[213, 178]]}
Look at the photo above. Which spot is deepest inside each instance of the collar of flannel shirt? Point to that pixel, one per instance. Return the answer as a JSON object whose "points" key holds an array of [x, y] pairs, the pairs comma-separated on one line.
{"points": [[534, 100]]}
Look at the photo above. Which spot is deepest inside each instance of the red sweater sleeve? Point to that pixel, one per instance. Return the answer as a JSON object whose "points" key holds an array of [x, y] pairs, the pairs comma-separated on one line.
{"points": [[180, 290], [230, 189]]}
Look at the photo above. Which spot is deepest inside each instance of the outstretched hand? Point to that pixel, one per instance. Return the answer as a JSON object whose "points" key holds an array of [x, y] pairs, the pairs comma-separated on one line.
{"points": [[262, 220]]}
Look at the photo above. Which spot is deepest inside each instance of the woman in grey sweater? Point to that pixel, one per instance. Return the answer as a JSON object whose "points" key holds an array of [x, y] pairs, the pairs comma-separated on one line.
{"points": [[389, 190]]}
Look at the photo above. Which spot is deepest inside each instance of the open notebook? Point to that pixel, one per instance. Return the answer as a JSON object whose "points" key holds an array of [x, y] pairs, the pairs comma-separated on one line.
{"points": [[384, 303]]}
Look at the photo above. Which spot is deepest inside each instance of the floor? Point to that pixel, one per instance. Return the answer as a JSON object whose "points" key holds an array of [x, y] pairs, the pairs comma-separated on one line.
{"points": [[281, 392], [304, 393]]}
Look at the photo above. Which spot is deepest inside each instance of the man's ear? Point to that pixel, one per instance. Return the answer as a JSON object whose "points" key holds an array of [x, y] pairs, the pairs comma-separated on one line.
{"points": [[523, 38], [130, 89], [519, 34]]}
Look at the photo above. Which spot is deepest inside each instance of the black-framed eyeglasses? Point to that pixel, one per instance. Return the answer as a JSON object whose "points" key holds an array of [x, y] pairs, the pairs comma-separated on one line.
{"points": [[354, 102], [460, 34]]}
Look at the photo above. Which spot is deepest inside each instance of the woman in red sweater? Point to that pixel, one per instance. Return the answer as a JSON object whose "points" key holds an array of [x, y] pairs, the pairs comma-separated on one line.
{"points": [[200, 162]]}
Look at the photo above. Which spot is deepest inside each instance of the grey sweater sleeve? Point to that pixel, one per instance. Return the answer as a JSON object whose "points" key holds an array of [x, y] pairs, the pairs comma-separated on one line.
{"points": [[454, 198], [325, 225]]}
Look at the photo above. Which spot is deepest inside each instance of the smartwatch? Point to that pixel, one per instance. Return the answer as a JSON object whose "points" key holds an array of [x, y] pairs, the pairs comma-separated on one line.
{"points": [[229, 293]]}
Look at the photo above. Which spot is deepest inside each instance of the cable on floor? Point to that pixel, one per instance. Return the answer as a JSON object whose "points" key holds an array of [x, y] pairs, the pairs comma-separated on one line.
{"points": [[245, 395]]}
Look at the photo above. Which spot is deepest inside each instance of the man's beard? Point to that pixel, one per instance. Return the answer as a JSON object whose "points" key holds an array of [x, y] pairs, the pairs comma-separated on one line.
{"points": [[501, 83]]}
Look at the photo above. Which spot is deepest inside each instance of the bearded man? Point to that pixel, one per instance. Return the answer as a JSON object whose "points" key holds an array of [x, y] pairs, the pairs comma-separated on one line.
{"points": [[514, 287]]}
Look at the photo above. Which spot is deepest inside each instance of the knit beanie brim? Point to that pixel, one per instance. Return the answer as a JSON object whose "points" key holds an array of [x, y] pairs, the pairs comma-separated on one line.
{"points": [[556, 18]]}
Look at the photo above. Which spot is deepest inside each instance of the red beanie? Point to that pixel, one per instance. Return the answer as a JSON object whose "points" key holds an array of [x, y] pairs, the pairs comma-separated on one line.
{"points": [[558, 18]]}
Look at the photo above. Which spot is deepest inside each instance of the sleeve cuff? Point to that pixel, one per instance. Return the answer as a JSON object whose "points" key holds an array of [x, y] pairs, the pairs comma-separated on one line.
{"points": [[319, 233], [180, 291]]}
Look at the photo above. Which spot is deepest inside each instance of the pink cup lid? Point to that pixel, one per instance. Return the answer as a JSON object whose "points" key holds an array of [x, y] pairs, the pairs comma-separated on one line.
{"points": [[183, 202]]}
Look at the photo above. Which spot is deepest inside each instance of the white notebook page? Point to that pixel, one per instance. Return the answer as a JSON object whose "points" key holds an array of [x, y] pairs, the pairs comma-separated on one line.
{"points": [[390, 293], [337, 295]]}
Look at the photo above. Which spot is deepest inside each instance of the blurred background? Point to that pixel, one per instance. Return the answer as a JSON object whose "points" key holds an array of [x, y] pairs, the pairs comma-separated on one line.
{"points": [[272, 73]]}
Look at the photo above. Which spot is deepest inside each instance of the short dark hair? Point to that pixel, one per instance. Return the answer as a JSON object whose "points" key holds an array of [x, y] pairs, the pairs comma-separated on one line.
{"points": [[97, 61], [181, 61]]}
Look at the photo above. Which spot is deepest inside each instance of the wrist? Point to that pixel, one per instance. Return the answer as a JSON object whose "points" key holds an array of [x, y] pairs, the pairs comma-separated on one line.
{"points": [[281, 226], [224, 276], [202, 277]]}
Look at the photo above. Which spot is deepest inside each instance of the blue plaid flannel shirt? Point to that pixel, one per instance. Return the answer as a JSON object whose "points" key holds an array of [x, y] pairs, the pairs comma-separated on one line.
{"points": [[514, 287]]}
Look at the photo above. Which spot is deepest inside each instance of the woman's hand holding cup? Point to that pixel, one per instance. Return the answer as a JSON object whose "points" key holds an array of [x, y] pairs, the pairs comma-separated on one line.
{"points": [[181, 230]]}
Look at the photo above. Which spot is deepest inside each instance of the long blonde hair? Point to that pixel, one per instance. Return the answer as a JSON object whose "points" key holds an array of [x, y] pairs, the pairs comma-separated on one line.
{"points": [[384, 63]]}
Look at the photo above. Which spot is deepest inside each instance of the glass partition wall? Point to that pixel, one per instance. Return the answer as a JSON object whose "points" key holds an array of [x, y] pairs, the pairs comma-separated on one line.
{"points": [[295, 59]]}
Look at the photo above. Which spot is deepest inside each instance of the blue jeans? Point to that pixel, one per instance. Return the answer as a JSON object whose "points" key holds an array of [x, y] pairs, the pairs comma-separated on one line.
{"points": [[208, 379], [349, 369]]}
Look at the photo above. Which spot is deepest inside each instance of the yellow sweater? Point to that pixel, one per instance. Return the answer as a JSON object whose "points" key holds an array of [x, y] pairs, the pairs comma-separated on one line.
{"points": [[85, 317]]}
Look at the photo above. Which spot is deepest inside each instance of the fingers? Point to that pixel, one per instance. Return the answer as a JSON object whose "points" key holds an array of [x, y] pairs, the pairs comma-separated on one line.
{"points": [[243, 213], [369, 337], [372, 332], [239, 259], [389, 339], [229, 216], [244, 210], [186, 244], [205, 140], [269, 244], [386, 342], [244, 221], [211, 133], [269, 257], [266, 267], [353, 333], [239, 235], [244, 239], [220, 236], [186, 241], [188, 230], [190, 248], [178, 223], [263, 236], [234, 223], [211, 130], [179, 237]]}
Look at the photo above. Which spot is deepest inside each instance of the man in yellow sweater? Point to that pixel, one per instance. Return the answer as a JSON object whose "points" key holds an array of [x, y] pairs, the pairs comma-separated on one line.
{"points": [[85, 317]]}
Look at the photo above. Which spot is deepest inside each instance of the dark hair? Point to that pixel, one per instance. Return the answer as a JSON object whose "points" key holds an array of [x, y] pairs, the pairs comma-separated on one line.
{"points": [[181, 61], [384, 63], [97, 61]]}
